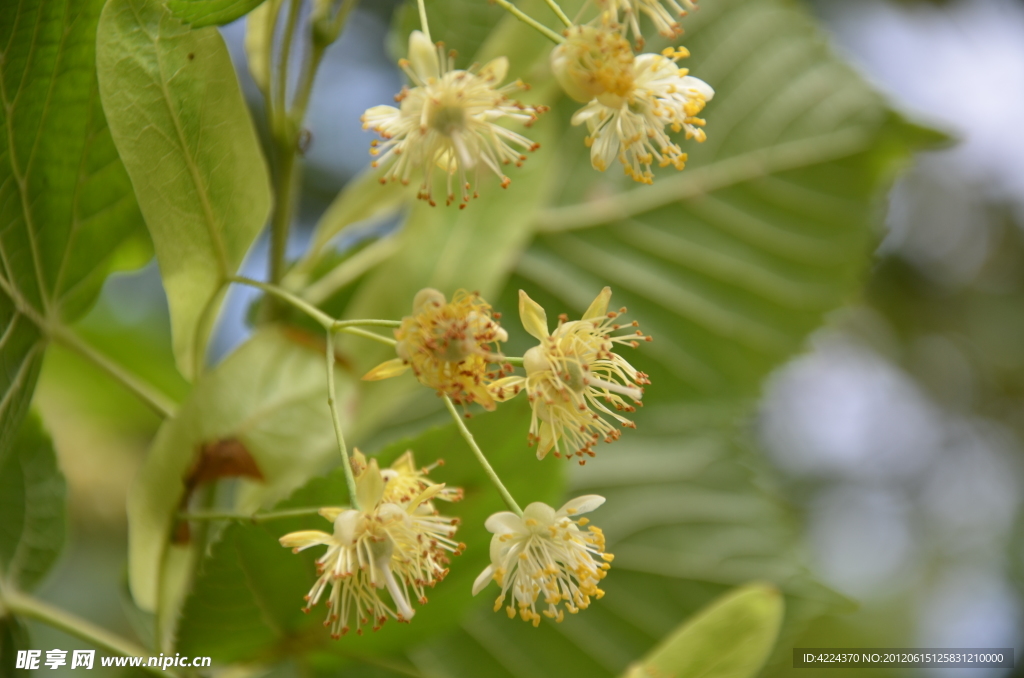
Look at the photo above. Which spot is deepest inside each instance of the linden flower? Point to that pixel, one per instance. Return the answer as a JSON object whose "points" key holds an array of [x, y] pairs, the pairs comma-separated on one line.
{"points": [[571, 375], [662, 14], [403, 480], [448, 346], [447, 121], [386, 544], [629, 123], [544, 554]]}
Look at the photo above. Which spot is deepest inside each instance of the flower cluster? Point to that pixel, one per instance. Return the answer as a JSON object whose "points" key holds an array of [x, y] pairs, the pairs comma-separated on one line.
{"points": [[448, 121], [573, 377], [449, 346], [545, 555], [394, 540], [632, 102]]}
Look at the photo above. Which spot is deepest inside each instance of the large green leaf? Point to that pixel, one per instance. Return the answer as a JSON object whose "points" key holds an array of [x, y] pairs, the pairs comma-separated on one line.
{"points": [[730, 639], [199, 13], [181, 125], [270, 396], [32, 495], [246, 603], [65, 200]]}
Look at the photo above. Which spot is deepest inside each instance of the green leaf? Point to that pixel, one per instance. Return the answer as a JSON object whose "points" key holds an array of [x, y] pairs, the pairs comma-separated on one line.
{"points": [[201, 13], [271, 396], [182, 128], [66, 203], [32, 495], [246, 603], [13, 637], [730, 639]]}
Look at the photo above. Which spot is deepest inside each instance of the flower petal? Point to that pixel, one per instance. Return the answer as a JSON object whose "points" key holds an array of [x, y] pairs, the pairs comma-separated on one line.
{"points": [[584, 504], [495, 70], [535, 320], [483, 579], [423, 56], [504, 523], [370, 487], [599, 307], [331, 512], [305, 538], [507, 387], [386, 370]]}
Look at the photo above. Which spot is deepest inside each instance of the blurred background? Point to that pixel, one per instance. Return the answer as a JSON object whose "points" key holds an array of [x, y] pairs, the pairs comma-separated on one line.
{"points": [[897, 435]]}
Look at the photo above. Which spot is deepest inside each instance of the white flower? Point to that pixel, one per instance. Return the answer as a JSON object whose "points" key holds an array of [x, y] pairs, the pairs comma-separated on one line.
{"points": [[631, 126], [545, 555], [448, 121], [386, 544], [571, 376]]}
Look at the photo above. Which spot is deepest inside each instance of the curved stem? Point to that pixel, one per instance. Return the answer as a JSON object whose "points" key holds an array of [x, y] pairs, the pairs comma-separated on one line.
{"points": [[157, 401], [530, 21], [32, 608], [488, 469], [423, 18], [312, 311], [368, 335], [559, 13], [346, 462], [256, 518]]}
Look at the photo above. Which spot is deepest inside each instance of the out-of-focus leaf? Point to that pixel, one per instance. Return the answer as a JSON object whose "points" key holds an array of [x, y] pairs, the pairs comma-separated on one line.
{"points": [[13, 637], [270, 395], [182, 128], [200, 13], [363, 199], [65, 200], [32, 495], [732, 638], [246, 603]]}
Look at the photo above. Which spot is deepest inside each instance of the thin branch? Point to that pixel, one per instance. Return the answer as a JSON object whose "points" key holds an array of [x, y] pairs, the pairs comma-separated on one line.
{"points": [[346, 462], [530, 21], [488, 469], [32, 608], [256, 518]]}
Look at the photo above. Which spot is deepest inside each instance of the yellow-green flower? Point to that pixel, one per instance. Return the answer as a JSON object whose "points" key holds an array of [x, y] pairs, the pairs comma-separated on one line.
{"points": [[574, 377], [386, 544], [449, 346], [545, 556], [448, 121]]}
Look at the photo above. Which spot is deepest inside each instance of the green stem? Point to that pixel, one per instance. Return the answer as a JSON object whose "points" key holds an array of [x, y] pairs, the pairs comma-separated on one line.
{"points": [[32, 608], [346, 463], [256, 518], [315, 313], [512, 361], [530, 21], [326, 321], [423, 18], [559, 13], [488, 469], [368, 335], [157, 401]]}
